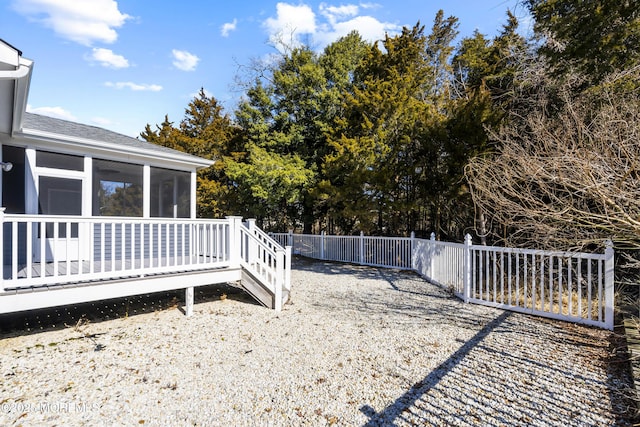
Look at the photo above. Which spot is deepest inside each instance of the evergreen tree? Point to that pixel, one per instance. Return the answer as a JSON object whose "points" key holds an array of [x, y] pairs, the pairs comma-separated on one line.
{"points": [[374, 169], [593, 37], [207, 132], [284, 119]]}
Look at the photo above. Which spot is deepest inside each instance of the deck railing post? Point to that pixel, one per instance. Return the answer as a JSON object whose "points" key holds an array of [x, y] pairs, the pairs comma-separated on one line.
{"points": [[2, 248], [609, 282], [361, 247], [287, 268], [235, 245], [280, 279], [252, 250], [466, 277], [432, 256]]}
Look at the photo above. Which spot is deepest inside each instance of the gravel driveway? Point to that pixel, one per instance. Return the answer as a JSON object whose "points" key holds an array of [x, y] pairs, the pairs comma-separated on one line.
{"points": [[355, 346]]}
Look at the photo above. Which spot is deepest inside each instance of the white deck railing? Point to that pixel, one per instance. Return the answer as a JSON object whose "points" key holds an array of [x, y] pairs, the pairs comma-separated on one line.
{"points": [[51, 253], [79, 249], [572, 286]]}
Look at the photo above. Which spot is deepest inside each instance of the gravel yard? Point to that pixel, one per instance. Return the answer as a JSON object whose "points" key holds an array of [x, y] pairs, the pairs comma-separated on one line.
{"points": [[355, 346]]}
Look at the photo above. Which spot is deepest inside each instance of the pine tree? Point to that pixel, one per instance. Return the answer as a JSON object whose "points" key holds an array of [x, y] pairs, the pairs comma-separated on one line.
{"points": [[207, 132]]}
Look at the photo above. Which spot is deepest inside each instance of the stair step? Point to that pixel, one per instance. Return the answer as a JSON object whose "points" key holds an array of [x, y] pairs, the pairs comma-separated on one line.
{"points": [[257, 290]]}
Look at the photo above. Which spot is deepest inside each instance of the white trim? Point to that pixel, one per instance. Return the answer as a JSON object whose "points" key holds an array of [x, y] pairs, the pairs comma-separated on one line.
{"points": [[59, 173], [194, 184], [81, 145], [87, 190], [31, 182], [1, 175], [107, 290], [20, 72], [146, 191]]}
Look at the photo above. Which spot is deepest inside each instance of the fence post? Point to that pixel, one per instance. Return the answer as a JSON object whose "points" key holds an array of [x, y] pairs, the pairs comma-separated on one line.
{"points": [[322, 245], [411, 249], [432, 258], [361, 248], [609, 281], [290, 239], [466, 278]]}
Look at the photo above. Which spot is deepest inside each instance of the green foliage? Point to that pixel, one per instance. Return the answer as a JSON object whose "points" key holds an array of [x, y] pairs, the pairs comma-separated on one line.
{"points": [[284, 121], [121, 201], [375, 138], [384, 146], [206, 132], [592, 37], [271, 182]]}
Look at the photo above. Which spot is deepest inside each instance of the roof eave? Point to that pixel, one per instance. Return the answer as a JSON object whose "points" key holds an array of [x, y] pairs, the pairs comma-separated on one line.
{"points": [[91, 144]]}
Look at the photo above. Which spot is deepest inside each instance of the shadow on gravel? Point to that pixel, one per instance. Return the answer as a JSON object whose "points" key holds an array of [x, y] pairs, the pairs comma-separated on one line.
{"points": [[512, 373], [56, 318], [396, 410], [516, 370]]}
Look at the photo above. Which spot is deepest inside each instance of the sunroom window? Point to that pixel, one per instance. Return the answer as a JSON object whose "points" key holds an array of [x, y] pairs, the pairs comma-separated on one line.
{"points": [[170, 193], [117, 189]]}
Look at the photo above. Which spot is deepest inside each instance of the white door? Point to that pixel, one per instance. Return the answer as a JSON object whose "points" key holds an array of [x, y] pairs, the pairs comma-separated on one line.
{"points": [[60, 196]]}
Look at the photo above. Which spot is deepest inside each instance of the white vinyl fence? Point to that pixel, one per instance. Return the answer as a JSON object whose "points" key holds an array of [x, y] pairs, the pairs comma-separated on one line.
{"points": [[571, 286]]}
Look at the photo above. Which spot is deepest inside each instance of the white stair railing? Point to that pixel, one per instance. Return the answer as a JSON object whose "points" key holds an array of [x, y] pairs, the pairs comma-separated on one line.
{"points": [[266, 260]]}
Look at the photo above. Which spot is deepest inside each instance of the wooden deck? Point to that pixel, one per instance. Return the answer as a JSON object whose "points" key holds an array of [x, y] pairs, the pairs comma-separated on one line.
{"points": [[131, 256]]}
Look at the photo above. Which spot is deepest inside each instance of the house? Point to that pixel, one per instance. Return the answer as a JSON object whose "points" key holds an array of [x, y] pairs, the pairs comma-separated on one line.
{"points": [[89, 214]]}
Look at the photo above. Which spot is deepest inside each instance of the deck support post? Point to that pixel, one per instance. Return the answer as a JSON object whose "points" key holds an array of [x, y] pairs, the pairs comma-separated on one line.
{"points": [[188, 301]]}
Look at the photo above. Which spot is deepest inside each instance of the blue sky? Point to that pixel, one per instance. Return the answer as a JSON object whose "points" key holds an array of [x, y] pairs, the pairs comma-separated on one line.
{"points": [[123, 64]]}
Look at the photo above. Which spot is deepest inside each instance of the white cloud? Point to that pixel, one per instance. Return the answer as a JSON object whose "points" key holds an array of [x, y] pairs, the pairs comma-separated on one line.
{"points": [[368, 27], [81, 21], [134, 86], [291, 21], [334, 13], [108, 59], [294, 22], [56, 112], [228, 27], [184, 60]]}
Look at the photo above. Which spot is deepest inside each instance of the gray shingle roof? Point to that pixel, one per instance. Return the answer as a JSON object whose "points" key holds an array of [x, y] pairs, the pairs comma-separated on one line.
{"points": [[78, 130]]}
